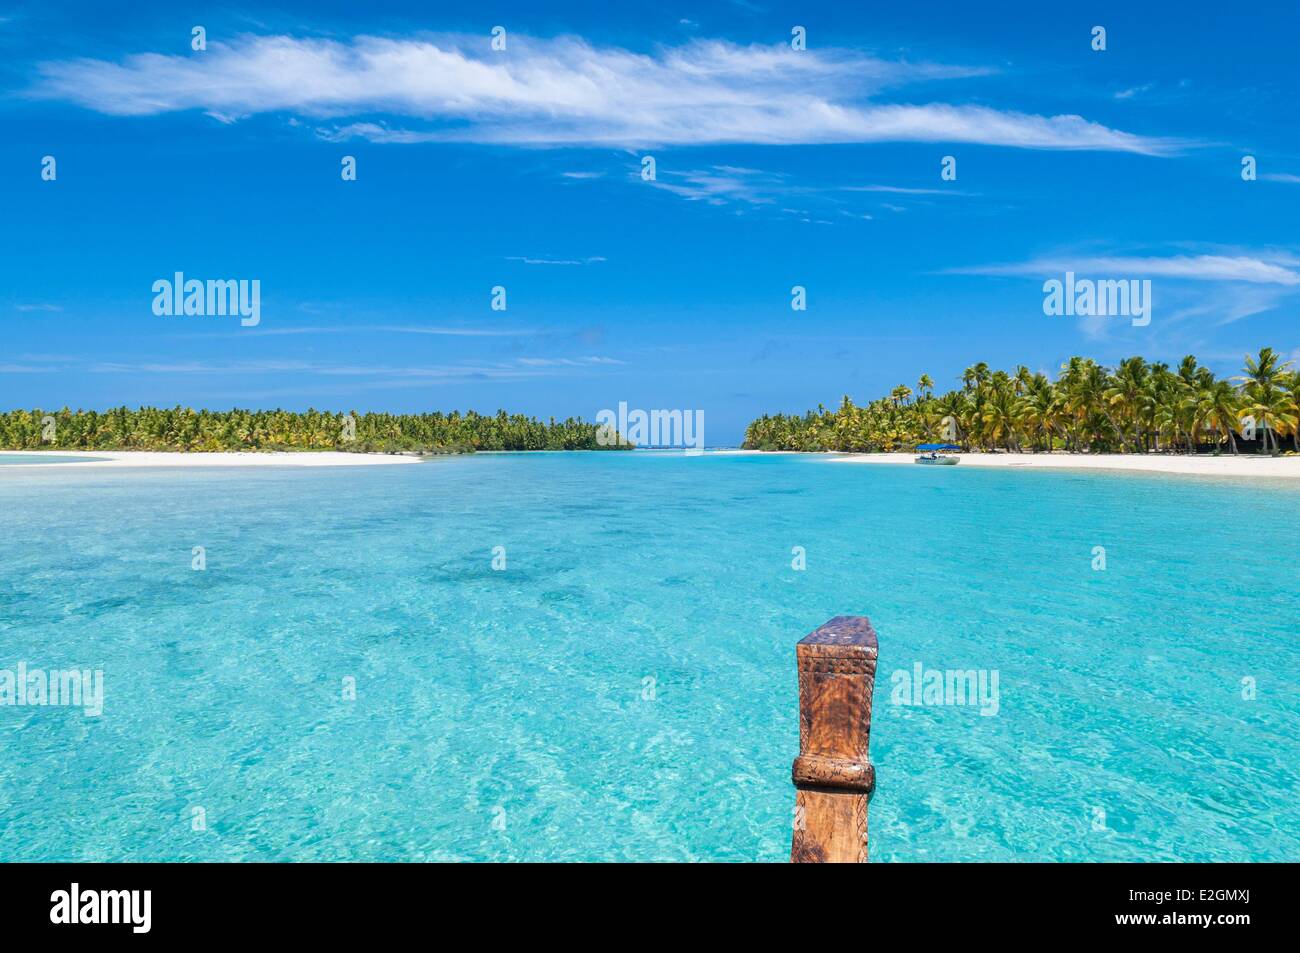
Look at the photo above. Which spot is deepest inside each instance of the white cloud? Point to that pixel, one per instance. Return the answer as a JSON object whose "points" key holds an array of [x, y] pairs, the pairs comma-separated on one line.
{"points": [[556, 261], [720, 184], [1132, 91], [391, 329], [520, 369], [1255, 270], [1229, 304], [900, 190], [1193, 291], [567, 361], [729, 184], [563, 91], [1281, 177]]}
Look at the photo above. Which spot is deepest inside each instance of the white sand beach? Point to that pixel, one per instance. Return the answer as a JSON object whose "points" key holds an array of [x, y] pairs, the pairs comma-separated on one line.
{"points": [[147, 458], [1243, 465]]}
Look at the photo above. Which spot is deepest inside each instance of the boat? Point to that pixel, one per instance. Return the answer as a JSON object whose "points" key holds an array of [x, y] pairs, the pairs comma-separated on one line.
{"points": [[931, 454]]}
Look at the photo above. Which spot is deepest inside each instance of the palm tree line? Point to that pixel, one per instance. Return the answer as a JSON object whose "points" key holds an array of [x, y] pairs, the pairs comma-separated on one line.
{"points": [[1135, 407], [185, 429]]}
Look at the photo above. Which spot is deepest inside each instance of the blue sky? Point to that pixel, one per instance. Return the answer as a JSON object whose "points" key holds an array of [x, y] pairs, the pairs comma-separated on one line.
{"points": [[521, 168]]}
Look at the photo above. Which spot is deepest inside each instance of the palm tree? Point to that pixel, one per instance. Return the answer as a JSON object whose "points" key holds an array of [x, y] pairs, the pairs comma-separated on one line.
{"points": [[1293, 393], [1138, 407], [975, 375], [182, 428], [1265, 397], [1084, 402], [1126, 394], [1270, 408], [1000, 412], [1022, 379], [956, 405], [1038, 409], [1220, 408]]}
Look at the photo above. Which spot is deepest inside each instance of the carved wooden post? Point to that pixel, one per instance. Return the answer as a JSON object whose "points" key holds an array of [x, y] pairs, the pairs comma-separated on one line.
{"points": [[833, 776]]}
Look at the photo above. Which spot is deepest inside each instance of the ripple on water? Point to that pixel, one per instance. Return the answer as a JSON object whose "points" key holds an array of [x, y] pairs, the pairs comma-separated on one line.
{"points": [[625, 688]]}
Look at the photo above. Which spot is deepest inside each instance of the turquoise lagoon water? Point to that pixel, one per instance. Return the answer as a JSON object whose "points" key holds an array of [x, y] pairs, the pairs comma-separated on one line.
{"points": [[19, 459], [500, 715]]}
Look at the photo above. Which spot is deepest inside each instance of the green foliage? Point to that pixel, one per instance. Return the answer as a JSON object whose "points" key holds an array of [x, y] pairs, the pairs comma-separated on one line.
{"points": [[1136, 407], [184, 429]]}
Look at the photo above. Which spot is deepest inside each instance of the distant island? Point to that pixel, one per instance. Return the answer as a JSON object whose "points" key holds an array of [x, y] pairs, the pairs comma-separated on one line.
{"points": [[182, 429], [1135, 408]]}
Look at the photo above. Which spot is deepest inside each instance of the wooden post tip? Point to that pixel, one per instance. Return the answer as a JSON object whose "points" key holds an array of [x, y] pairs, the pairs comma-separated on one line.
{"points": [[833, 775], [845, 630]]}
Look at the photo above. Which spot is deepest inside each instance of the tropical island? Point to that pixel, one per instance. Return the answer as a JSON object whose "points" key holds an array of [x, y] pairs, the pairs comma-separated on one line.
{"points": [[1136, 407], [185, 430]]}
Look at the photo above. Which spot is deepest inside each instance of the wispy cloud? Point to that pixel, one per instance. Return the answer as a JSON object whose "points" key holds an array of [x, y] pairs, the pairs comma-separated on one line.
{"points": [[568, 361], [391, 329], [1132, 91], [556, 261], [516, 369], [720, 184], [37, 307], [564, 91], [1229, 304], [199, 367], [901, 190], [1281, 177], [1194, 291], [731, 185], [1255, 270]]}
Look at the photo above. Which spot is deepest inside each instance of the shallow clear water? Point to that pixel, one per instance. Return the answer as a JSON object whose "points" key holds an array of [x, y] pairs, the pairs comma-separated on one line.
{"points": [[500, 715], [19, 459]]}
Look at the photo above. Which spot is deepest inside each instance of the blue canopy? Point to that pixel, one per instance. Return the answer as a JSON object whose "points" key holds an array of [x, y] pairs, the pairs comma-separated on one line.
{"points": [[938, 446]]}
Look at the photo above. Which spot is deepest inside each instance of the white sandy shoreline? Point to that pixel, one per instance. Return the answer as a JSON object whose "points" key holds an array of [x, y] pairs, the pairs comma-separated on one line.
{"points": [[1243, 465], [149, 458]]}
